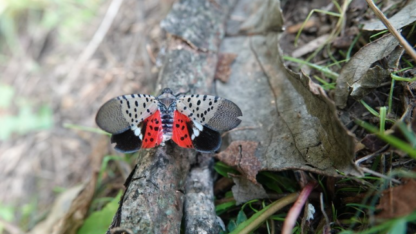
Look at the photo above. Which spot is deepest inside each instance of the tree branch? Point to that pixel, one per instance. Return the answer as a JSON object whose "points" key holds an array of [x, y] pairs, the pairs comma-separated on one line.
{"points": [[154, 197]]}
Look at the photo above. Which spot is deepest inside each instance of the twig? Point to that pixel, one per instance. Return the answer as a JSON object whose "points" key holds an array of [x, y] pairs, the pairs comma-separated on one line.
{"points": [[96, 40], [365, 158], [294, 212], [379, 175], [151, 54], [274, 207], [321, 199], [392, 30]]}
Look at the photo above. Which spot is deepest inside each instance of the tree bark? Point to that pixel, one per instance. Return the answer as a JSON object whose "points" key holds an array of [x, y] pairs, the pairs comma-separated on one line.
{"points": [[153, 201], [200, 216]]}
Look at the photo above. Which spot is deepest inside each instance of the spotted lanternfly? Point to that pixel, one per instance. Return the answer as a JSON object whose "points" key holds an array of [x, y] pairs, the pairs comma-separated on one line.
{"points": [[191, 121]]}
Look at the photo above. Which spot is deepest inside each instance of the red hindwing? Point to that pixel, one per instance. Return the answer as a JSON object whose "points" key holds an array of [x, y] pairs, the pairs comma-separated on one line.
{"points": [[180, 132], [153, 132]]}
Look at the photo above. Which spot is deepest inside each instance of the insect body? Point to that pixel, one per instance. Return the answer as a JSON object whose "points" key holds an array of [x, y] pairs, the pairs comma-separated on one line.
{"points": [[191, 121]]}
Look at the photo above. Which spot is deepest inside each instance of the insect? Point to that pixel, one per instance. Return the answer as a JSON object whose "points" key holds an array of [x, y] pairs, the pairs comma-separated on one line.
{"points": [[192, 121]]}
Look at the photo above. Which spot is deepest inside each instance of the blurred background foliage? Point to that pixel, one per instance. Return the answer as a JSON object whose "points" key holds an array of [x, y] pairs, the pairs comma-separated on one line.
{"points": [[20, 22], [23, 23], [64, 16]]}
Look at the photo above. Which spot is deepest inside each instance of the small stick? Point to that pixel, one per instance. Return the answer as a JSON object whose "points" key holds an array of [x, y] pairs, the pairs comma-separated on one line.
{"points": [[380, 175], [294, 212], [97, 39], [392, 30]]}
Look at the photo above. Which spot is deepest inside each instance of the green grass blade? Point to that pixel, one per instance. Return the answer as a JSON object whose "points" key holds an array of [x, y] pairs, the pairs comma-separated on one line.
{"points": [[87, 129], [409, 134], [374, 112], [392, 140], [325, 70], [383, 111], [258, 218], [399, 78]]}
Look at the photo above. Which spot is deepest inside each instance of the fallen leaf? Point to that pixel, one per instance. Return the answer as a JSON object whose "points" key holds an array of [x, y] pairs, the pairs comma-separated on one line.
{"points": [[406, 16], [360, 63], [312, 22], [359, 6], [241, 154], [245, 190], [355, 12], [344, 41], [59, 210], [292, 119], [255, 23], [223, 66], [394, 58], [310, 46], [79, 207], [398, 201], [373, 78]]}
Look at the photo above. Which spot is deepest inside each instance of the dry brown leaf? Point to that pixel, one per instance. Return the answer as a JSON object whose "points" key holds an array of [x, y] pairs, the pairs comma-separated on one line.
{"points": [[310, 46], [59, 210], [344, 41], [80, 206], [312, 22], [373, 78], [357, 7], [223, 66], [294, 121], [355, 70], [394, 58], [405, 16], [71, 208], [398, 201], [245, 190], [255, 23], [241, 154], [78, 211]]}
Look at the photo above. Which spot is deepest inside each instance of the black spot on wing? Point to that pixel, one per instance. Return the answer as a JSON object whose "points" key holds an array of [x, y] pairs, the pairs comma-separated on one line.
{"points": [[126, 142]]}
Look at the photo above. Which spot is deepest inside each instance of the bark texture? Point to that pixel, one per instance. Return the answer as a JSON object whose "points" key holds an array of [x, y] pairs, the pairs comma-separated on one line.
{"points": [[200, 216], [153, 201]]}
